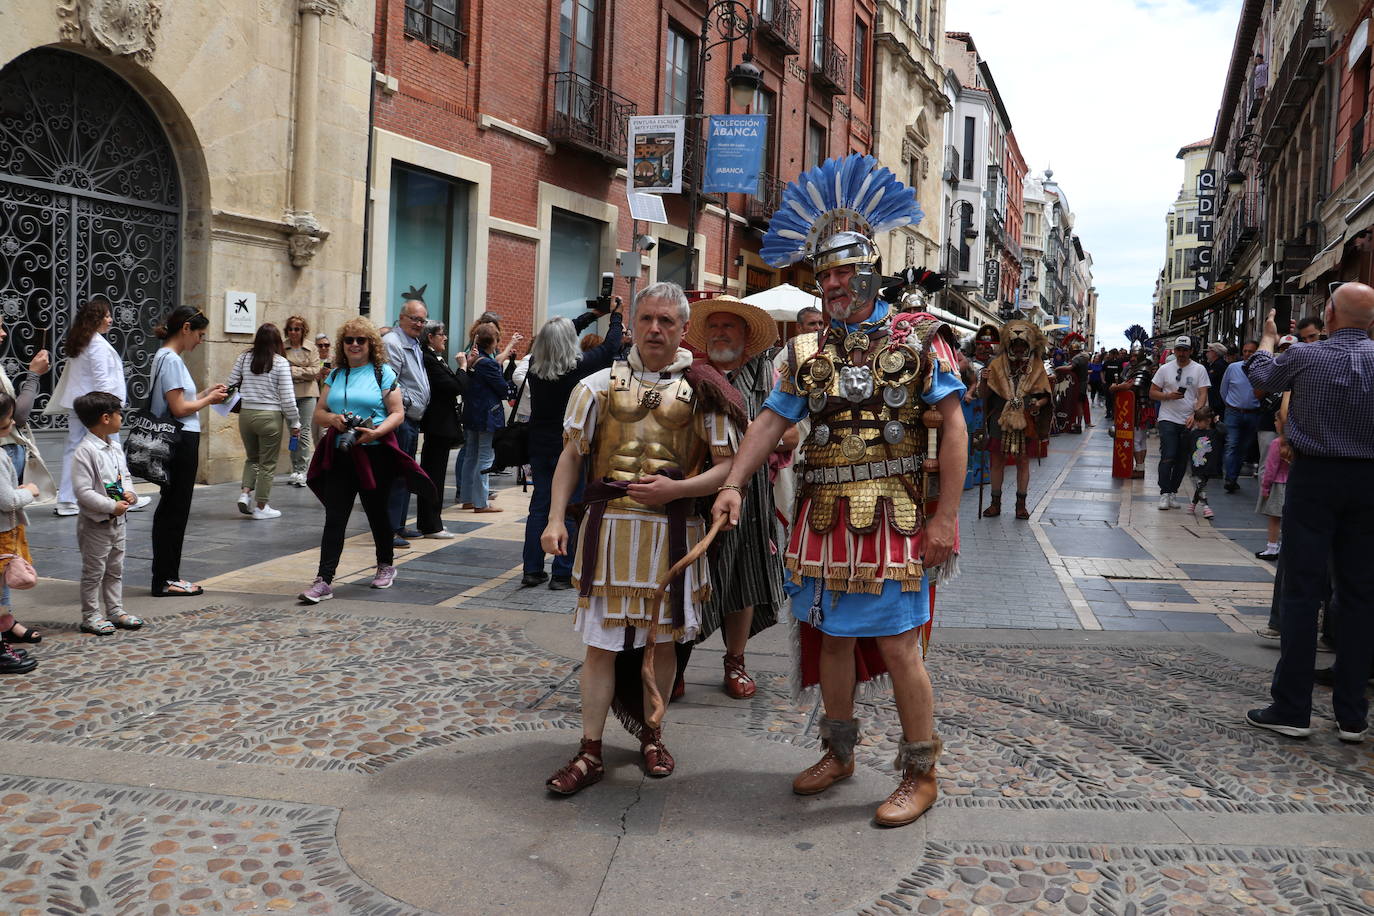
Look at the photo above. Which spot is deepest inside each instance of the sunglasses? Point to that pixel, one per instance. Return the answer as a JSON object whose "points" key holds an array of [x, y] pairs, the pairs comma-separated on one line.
{"points": [[1332, 287], [354, 341]]}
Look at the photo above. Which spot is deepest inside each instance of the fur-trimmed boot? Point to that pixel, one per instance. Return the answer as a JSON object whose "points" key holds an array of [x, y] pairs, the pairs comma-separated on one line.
{"points": [[839, 737], [994, 508], [918, 790]]}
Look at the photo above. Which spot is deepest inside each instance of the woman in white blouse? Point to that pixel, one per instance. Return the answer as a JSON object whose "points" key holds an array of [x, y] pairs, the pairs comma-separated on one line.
{"points": [[92, 365]]}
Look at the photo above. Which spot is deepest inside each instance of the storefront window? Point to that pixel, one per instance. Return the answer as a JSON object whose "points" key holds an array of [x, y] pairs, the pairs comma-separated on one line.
{"points": [[574, 263], [428, 245]]}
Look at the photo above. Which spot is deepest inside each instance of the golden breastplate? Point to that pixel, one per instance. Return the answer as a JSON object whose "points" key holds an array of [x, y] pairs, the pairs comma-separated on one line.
{"points": [[635, 439]]}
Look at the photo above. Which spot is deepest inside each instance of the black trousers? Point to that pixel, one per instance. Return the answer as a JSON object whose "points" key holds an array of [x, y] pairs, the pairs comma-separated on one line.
{"points": [[174, 508], [1328, 516], [434, 461], [341, 487]]}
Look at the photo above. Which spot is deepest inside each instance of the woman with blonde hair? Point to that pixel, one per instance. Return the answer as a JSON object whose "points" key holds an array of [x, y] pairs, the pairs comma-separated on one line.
{"points": [[307, 369], [359, 410]]}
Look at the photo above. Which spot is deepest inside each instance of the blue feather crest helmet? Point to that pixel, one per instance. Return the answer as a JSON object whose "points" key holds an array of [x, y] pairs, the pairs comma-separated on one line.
{"points": [[846, 197]]}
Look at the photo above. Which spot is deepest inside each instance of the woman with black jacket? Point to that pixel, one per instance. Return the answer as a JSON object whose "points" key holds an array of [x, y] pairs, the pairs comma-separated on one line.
{"points": [[441, 424]]}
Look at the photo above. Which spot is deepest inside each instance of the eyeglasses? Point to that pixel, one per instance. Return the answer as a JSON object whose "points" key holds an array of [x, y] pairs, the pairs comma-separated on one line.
{"points": [[1332, 287], [354, 341], [418, 319]]}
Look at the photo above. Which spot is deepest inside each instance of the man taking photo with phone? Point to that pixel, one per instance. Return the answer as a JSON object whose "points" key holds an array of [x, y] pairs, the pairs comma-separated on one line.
{"points": [[1180, 387]]}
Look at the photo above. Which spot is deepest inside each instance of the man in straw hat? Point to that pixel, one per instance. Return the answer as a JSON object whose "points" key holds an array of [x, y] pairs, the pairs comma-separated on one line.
{"points": [[645, 429], [746, 569], [880, 384]]}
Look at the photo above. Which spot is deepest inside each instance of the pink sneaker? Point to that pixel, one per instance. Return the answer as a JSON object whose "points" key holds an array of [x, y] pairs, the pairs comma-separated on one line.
{"points": [[385, 576], [1192, 507], [318, 591], [1207, 512]]}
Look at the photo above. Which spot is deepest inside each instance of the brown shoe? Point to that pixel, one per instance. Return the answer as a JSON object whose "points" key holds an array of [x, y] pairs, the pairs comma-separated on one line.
{"points": [[738, 684], [1021, 511], [583, 770], [918, 789], [994, 508], [658, 763], [822, 774]]}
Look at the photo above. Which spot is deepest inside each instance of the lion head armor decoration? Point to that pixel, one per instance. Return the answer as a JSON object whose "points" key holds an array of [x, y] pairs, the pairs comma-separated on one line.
{"points": [[1019, 331]]}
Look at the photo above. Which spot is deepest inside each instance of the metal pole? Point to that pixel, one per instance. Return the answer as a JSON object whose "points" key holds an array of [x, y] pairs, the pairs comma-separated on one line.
{"points": [[693, 122]]}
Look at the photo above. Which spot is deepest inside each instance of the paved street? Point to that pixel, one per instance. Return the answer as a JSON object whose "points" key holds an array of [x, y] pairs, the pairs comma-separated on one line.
{"points": [[385, 752]]}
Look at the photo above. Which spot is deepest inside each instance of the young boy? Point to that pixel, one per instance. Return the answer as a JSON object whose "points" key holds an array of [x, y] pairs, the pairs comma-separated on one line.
{"points": [[104, 492], [1206, 445]]}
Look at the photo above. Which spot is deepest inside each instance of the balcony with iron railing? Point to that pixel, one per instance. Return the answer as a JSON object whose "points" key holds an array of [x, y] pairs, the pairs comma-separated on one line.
{"points": [[766, 201], [829, 65], [952, 164], [589, 116], [779, 23], [1240, 225], [1299, 75]]}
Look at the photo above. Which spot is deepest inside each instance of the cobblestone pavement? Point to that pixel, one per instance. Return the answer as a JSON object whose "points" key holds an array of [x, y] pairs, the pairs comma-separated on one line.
{"points": [[383, 753]]}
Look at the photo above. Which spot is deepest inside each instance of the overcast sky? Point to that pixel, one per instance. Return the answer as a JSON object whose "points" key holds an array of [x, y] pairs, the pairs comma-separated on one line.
{"points": [[1105, 92]]}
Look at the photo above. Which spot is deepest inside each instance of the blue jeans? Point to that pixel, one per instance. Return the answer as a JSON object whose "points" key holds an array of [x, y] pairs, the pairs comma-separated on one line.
{"points": [[18, 455], [477, 457], [1241, 431], [1172, 460], [542, 464], [398, 506]]}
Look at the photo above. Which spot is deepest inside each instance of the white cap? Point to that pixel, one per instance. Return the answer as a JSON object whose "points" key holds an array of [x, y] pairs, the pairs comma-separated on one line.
{"points": [[1287, 340], [1183, 341]]}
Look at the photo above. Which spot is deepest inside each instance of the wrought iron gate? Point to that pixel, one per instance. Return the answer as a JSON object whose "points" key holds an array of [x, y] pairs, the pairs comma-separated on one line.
{"points": [[90, 204]]}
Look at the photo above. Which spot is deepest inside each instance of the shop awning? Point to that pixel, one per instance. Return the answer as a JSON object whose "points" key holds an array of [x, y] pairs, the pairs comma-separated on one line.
{"points": [[1329, 258], [1207, 303]]}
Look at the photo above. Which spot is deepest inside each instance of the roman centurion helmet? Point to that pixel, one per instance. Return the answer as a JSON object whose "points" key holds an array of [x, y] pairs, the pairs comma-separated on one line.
{"points": [[831, 214]]}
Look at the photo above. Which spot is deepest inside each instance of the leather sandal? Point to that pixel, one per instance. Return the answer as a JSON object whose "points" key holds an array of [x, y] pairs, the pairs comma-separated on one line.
{"points": [[1021, 511], [658, 763], [994, 508], [30, 635], [125, 621], [583, 770], [738, 684]]}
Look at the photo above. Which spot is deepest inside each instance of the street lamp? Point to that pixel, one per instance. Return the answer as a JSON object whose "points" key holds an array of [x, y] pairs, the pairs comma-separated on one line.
{"points": [[729, 20]]}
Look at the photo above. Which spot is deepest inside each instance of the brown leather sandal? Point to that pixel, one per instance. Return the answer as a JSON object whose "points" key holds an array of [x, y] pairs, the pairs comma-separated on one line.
{"points": [[1021, 511], [658, 763], [994, 508], [738, 684], [583, 770]]}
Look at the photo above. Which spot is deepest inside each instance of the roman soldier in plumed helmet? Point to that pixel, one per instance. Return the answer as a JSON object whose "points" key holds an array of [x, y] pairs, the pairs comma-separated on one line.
{"points": [[881, 389], [1071, 406]]}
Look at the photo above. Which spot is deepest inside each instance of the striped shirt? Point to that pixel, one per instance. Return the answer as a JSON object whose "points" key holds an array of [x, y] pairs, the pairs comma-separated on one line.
{"points": [[271, 390], [1331, 413]]}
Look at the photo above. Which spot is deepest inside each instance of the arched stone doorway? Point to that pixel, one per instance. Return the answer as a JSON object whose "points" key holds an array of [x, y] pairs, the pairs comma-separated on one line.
{"points": [[90, 204]]}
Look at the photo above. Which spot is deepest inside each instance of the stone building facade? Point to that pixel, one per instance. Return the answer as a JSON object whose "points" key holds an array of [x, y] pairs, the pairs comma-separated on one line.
{"points": [[160, 153]]}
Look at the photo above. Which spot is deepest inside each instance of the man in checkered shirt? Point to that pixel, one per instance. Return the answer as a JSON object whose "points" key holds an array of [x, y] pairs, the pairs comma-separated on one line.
{"points": [[1328, 514]]}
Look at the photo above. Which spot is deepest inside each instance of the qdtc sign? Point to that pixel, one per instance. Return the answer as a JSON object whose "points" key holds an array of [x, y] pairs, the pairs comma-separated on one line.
{"points": [[1206, 214]]}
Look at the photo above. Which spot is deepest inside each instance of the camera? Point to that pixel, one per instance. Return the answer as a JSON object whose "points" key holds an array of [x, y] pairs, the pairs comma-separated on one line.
{"points": [[602, 303], [349, 437]]}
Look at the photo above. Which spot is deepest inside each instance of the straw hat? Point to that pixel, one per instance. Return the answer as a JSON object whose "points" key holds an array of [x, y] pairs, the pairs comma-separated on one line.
{"points": [[763, 331]]}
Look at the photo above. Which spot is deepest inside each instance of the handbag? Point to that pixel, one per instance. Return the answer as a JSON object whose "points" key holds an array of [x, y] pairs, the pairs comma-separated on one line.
{"points": [[149, 439], [510, 444], [19, 572]]}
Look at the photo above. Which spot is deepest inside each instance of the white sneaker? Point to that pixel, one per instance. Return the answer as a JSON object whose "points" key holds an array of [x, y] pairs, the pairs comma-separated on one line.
{"points": [[266, 512], [1164, 502], [65, 509], [246, 503], [143, 503], [1173, 500], [297, 479], [441, 535]]}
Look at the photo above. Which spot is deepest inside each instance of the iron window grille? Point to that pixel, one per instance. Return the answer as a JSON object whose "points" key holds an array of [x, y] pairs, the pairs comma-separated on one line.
{"points": [[439, 24]]}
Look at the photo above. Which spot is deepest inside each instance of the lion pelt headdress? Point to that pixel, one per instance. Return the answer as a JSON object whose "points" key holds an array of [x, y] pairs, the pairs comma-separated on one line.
{"points": [[1027, 331]]}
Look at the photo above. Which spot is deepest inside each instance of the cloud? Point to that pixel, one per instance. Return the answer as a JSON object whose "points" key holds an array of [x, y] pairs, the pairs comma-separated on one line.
{"points": [[1105, 92]]}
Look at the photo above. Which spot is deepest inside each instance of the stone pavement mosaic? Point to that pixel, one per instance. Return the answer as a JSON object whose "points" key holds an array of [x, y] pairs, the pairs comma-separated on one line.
{"points": [[999, 879], [70, 847]]}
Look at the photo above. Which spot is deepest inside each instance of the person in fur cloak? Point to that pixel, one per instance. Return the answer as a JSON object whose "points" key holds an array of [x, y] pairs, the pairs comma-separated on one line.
{"points": [[1016, 392]]}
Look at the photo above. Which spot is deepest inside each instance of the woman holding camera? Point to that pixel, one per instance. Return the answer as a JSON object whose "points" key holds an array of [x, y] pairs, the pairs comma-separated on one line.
{"points": [[359, 410]]}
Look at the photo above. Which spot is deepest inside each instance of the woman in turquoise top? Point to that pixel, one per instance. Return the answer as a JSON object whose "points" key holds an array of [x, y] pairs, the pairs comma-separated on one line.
{"points": [[363, 388]]}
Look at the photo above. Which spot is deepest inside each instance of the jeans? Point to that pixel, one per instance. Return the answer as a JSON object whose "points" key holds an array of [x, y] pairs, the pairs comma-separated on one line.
{"points": [[1172, 460], [434, 462], [407, 438], [18, 456], [543, 461], [300, 458], [477, 457], [174, 509], [1329, 513], [1199, 489], [1241, 431], [338, 491]]}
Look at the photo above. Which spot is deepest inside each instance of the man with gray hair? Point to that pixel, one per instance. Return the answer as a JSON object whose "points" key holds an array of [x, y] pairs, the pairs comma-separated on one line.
{"points": [[645, 433], [406, 355], [810, 320]]}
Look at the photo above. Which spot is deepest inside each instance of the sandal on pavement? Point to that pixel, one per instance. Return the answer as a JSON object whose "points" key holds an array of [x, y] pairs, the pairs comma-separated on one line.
{"points": [[126, 621], [583, 770], [29, 635], [738, 684], [177, 588], [658, 763], [97, 626], [488, 509]]}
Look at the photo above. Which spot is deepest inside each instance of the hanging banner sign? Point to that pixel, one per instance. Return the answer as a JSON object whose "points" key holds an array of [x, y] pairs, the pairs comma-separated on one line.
{"points": [[1206, 213], [992, 278], [734, 153], [655, 154]]}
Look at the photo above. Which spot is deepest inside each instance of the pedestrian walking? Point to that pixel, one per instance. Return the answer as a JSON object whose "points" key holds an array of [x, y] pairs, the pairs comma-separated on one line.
{"points": [[263, 378], [1273, 491], [14, 497], [1206, 444], [174, 394], [104, 491], [484, 412], [358, 457], [441, 425], [1180, 387], [306, 371], [556, 366], [407, 358], [1243, 414], [1328, 514], [92, 365]]}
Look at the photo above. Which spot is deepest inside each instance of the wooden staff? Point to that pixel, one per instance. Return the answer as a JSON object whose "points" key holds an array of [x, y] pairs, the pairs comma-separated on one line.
{"points": [[655, 708]]}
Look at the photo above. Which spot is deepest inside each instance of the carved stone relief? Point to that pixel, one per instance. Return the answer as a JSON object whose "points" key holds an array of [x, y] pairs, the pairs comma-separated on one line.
{"points": [[127, 28]]}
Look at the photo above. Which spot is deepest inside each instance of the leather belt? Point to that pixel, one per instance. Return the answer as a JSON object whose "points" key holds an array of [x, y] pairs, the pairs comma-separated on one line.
{"points": [[869, 470]]}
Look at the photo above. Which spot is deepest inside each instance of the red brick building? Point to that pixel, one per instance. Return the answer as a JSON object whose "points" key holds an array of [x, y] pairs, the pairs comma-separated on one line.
{"points": [[499, 143], [1014, 167]]}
